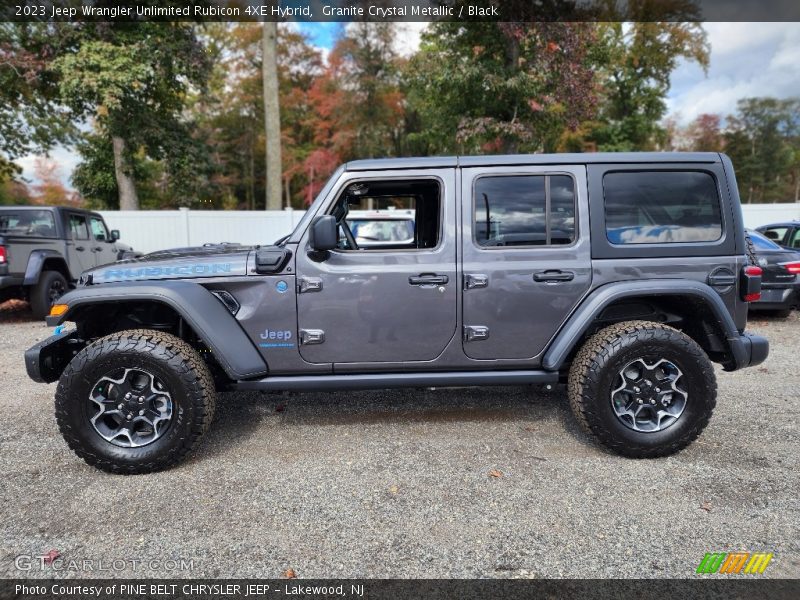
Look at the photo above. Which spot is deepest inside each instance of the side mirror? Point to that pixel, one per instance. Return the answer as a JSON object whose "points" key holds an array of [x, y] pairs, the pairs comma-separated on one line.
{"points": [[114, 235], [324, 233]]}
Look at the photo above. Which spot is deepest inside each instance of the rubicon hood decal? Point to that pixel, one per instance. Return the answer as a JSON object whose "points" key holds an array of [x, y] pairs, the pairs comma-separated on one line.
{"points": [[226, 265]]}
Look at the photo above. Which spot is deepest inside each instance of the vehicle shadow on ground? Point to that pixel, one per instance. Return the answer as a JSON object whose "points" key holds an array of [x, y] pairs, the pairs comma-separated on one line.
{"points": [[528, 408]]}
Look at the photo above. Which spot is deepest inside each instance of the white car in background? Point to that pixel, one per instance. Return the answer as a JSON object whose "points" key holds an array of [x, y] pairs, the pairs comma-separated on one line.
{"points": [[375, 228]]}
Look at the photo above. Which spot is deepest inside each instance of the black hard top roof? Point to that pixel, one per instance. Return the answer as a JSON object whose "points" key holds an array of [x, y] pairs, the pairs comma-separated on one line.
{"points": [[532, 159], [69, 208]]}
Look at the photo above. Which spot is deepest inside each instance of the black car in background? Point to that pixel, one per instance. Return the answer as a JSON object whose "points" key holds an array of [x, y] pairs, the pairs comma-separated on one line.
{"points": [[786, 234], [780, 280]]}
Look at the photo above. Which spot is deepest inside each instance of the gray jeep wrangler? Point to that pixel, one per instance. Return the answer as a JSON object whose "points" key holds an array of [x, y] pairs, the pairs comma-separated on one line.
{"points": [[623, 275]]}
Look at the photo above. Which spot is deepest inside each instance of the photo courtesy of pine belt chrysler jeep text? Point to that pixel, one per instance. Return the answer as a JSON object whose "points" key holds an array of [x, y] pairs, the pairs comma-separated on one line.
{"points": [[624, 275]]}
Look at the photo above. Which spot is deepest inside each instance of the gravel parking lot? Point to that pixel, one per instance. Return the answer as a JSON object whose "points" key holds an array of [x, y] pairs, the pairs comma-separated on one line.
{"points": [[398, 484]]}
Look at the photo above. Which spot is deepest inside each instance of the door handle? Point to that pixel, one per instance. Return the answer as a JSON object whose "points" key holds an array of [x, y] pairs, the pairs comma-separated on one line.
{"points": [[97, 249], [428, 279], [553, 276], [80, 248]]}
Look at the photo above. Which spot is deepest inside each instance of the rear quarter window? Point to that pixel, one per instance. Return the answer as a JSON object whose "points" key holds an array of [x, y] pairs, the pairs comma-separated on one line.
{"points": [[28, 223], [661, 207]]}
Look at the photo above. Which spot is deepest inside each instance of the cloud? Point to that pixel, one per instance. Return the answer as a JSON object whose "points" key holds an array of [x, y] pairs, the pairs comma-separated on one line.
{"points": [[747, 60]]}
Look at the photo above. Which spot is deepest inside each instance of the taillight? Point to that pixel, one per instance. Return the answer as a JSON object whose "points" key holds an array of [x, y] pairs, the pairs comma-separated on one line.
{"points": [[751, 283], [3, 257], [792, 267], [753, 270]]}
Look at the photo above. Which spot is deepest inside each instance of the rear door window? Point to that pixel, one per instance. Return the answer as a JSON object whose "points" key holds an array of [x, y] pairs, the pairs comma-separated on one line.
{"points": [[658, 207], [524, 210], [28, 223]]}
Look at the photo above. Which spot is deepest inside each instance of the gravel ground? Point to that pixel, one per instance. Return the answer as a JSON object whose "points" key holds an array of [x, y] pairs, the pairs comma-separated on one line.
{"points": [[397, 484]]}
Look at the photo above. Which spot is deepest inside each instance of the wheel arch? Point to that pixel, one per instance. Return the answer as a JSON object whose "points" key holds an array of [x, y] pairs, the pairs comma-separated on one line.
{"points": [[45, 260], [96, 309], [690, 306]]}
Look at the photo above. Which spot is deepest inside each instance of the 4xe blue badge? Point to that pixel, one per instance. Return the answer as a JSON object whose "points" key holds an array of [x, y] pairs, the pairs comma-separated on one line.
{"points": [[281, 286]]}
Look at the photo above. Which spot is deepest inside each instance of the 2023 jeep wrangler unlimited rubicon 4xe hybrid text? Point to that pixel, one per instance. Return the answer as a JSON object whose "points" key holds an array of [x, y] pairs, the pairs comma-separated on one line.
{"points": [[624, 275]]}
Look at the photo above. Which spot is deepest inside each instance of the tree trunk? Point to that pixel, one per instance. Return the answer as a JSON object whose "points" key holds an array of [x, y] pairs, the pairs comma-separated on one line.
{"points": [[128, 199], [272, 118]]}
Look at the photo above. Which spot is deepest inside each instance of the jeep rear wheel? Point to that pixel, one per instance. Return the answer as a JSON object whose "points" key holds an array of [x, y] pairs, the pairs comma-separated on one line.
{"points": [[50, 287], [135, 401], [642, 389]]}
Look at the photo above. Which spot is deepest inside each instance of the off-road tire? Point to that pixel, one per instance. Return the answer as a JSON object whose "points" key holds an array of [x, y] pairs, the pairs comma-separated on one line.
{"points": [[40, 294], [597, 364], [169, 358]]}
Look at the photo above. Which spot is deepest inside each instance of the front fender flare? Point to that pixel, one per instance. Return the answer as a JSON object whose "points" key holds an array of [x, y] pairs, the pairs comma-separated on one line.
{"points": [[210, 320], [580, 320]]}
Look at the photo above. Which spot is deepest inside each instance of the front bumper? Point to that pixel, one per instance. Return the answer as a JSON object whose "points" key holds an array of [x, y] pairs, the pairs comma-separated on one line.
{"points": [[47, 360], [748, 350]]}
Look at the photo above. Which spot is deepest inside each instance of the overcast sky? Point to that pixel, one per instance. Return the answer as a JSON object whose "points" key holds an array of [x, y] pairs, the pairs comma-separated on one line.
{"points": [[747, 59]]}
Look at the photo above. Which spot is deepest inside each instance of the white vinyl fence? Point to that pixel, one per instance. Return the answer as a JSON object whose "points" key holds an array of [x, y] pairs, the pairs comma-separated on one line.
{"points": [[150, 230], [756, 215]]}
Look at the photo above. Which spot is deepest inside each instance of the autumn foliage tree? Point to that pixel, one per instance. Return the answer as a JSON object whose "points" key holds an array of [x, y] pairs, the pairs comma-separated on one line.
{"points": [[500, 87]]}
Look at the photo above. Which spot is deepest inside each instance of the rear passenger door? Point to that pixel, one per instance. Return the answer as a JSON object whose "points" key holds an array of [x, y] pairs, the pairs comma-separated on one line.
{"points": [[525, 257]]}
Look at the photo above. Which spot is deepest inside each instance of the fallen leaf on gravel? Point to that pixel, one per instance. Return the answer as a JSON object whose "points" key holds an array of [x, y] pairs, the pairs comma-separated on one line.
{"points": [[495, 473], [51, 556], [280, 408], [290, 574], [763, 370], [394, 489], [706, 506]]}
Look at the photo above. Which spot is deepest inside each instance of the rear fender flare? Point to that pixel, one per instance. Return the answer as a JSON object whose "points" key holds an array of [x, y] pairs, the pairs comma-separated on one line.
{"points": [[36, 262], [579, 322]]}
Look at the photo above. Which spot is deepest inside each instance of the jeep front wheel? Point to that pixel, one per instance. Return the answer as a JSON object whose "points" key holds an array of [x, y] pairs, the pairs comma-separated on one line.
{"points": [[642, 389], [135, 401]]}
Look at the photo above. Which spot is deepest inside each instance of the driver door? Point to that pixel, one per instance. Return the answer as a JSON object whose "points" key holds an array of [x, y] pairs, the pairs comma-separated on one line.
{"points": [[378, 303]]}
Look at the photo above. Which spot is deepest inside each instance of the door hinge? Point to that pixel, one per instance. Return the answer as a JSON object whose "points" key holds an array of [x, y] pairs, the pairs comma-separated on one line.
{"points": [[475, 280], [475, 333], [309, 337], [309, 284]]}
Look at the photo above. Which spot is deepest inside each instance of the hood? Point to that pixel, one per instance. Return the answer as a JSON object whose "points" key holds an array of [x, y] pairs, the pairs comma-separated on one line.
{"points": [[223, 260]]}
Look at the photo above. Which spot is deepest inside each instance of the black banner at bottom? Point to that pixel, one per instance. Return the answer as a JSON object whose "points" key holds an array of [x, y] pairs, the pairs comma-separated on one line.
{"points": [[253, 589]]}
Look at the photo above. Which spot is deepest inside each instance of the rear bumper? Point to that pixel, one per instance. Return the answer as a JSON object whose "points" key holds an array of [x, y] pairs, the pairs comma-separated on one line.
{"points": [[10, 281], [777, 298], [748, 350]]}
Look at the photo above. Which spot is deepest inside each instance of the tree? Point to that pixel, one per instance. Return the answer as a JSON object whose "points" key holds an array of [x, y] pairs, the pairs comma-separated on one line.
{"points": [[272, 119], [636, 63], [132, 78], [49, 191], [31, 120], [763, 141], [482, 87]]}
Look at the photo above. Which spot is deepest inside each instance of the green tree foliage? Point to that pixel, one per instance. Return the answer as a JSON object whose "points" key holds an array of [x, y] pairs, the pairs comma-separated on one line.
{"points": [[763, 141], [30, 119], [500, 87], [133, 80], [636, 61]]}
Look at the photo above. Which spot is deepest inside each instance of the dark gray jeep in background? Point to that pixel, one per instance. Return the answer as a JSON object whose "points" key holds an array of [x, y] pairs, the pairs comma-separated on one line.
{"points": [[44, 249], [623, 275]]}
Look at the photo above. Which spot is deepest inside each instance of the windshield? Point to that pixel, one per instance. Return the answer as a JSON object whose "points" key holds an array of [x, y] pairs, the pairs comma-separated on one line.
{"points": [[28, 223]]}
